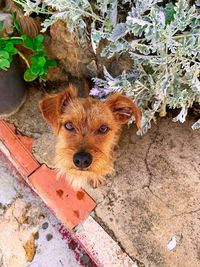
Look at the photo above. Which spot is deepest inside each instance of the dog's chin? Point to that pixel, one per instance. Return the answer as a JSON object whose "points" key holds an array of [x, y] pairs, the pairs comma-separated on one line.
{"points": [[79, 178]]}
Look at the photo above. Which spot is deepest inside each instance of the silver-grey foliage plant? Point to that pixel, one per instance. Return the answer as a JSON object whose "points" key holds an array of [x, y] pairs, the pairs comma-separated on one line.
{"points": [[162, 39]]}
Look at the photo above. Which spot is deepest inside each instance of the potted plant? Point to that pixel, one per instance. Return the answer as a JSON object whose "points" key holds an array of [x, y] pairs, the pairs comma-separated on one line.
{"points": [[12, 85]]}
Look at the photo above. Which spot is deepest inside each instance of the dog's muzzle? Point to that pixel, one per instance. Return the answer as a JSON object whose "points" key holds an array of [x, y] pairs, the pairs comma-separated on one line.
{"points": [[82, 159]]}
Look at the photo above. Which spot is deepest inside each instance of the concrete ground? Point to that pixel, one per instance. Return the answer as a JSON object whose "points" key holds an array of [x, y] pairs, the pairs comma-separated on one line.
{"points": [[30, 236], [151, 206]]}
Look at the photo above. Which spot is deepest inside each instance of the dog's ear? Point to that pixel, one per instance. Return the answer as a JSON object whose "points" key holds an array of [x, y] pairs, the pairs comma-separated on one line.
{"points": [[52, 106], [123, 109]]}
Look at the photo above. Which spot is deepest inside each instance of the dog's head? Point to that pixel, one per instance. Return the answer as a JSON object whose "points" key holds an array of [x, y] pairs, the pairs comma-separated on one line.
{"points": [[87, 131]]}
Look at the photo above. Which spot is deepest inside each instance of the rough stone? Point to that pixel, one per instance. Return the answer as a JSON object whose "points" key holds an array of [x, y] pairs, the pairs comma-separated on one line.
{"points": [[77, 59], [64, 46], [57, 74]]}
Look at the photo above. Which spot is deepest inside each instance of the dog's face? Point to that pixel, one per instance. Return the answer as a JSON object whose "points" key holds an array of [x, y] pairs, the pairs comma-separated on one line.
{"points": [[87, 131]]}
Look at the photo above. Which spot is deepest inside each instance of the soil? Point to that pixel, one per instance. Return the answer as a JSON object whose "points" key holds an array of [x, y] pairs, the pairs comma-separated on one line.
{"points": [[151, 206]]}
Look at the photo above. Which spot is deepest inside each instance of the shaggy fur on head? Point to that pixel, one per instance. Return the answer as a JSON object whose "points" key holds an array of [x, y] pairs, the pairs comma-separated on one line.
{"points": [[87, 116]]}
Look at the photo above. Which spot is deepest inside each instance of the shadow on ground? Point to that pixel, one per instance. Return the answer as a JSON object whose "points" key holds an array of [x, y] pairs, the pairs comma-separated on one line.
{"points": [[153, 198]]}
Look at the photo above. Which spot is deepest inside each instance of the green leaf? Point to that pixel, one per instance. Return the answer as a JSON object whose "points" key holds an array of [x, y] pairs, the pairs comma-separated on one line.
{"points": [[148, 69], [14, 15], [43, 78], [38, 65], [16, 24], [51, 63], [1, 25], [17, 27], [29, 76], [4, 64], [15, 41], [4, 54], [38, 55], [41, 61], [28, 42], [33, 43], [40, 38], [35, 69], [169, 12], [9, 47], [39, 47], [46, 67], [34, 59], [14, 51], [42, 71]]}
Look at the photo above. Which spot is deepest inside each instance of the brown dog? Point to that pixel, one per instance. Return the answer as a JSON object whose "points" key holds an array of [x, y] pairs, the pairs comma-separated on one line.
{"points": [[87, 131]]}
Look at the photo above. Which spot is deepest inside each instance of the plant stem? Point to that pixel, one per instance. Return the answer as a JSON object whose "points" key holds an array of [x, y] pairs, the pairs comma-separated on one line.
{"points": [[23, 57], [184, 35], [11, 38]]}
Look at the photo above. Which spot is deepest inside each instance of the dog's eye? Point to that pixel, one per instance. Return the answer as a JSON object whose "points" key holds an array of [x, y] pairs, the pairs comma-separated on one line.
{"points": [[69, 126], [103, 129]]}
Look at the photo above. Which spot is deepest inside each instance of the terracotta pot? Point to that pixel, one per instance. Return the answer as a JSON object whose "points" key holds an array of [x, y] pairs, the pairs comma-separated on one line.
{"points": [[12, 90]]}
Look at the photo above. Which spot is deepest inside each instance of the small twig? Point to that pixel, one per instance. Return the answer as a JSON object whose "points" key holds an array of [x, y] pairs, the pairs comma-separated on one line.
{"points": [[23, 57]]}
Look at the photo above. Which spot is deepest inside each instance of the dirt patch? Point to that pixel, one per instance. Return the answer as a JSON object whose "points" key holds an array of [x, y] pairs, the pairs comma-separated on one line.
{"points": [[29, 247]]}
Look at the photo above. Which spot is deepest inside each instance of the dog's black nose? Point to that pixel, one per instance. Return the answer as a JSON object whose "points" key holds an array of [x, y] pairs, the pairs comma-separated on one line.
{"points": [[82, 159]]}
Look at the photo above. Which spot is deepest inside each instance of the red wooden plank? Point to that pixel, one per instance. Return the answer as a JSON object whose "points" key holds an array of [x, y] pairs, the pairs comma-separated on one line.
{"points": [[18, 151], [71, 207]]}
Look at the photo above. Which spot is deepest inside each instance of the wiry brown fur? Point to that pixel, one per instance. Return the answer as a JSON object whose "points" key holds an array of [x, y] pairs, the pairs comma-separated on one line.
{"points": [[87, 115]]}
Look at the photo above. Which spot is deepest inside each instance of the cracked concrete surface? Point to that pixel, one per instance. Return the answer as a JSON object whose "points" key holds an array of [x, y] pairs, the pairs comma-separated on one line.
{"points": [[14, 235], [154, 194], [29, 233]]}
